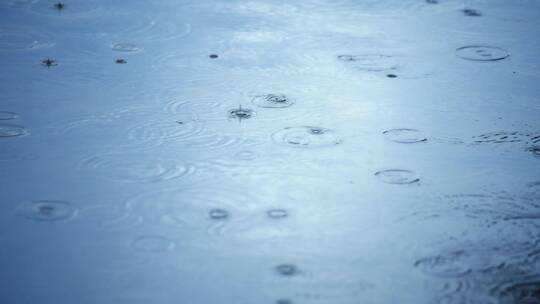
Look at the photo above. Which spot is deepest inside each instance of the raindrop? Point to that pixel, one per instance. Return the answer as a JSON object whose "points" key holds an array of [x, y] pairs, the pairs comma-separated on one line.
{"points": [[6, 115], [10, 130], [449, 265], [47, 210], [124, 47], [273, 101], [471, 12], [241, 113], [482, 53], [306, 137], [397, 176], [59, 6], [218, 214], [152, 244], [287, 270], [405, 136], [49, 62], [277, 213]]}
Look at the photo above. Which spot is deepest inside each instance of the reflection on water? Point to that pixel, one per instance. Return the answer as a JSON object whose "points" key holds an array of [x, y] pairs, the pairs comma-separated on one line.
{"points": [[376, 151]]}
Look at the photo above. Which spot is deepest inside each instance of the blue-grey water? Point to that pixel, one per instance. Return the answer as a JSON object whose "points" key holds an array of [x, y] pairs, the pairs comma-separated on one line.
{"points": [[269, 151]]}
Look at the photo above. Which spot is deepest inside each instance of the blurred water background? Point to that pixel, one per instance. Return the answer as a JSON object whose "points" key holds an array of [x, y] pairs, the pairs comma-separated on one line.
{"points": [[268, 151]]}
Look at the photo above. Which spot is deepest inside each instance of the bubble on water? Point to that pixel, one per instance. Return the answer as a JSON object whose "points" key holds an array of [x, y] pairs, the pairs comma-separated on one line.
{"points": [[277, 213], [241, 113], [450, 265], [11, 130], [18, 39], [287, 270], [152, 243], [7, 115], [273, 101], [124, 47], [404, 135], [370, 62], [47, 210], [306, 137], [482, 53], [397, 176], [471, 12], [218, 214], [131, 168]]}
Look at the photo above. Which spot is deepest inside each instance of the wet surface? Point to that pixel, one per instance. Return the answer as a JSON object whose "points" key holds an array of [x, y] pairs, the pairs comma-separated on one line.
{"points": [[342, 152]]}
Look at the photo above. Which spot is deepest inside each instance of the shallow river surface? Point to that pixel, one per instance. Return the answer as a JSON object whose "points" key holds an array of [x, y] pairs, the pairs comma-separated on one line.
{"points": [[269, 151]]}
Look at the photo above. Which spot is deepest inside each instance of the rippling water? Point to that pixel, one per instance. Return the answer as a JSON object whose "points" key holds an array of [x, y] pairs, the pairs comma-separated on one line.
{"points": [[179, 151]]}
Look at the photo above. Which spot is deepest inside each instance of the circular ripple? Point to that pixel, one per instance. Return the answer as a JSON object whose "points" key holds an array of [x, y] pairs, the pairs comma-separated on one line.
{"points": [[526, 292], [405, 136], [272, 101], [157, 133], [6, 115], [448, 266], [287, 270], [306, 137], [371, 62], [241, 113], [397, 176], [9, 130], [472, 12], [535, 151], [482, 53], [47, 210], [110, 217], [199, 208], [152, 244], [125, 47], [218, 214], [16, 39], [136, 168], [246, 155]]}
